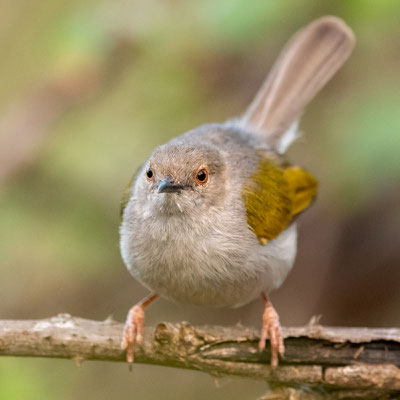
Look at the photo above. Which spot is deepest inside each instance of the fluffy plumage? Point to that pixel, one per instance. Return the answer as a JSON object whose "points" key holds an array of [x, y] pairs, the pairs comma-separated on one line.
{"points": [[224, 242], [196, 246]]}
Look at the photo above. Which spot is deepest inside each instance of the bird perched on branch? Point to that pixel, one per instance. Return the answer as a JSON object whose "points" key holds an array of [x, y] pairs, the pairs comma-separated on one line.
{"points": [[209, 218]]}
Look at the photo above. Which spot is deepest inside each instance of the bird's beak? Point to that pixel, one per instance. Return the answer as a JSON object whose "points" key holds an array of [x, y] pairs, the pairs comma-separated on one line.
{"points": [[168, 185]]}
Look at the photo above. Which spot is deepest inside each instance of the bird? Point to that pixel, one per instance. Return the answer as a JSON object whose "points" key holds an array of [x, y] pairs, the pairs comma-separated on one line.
{"points": [[210, 218]]}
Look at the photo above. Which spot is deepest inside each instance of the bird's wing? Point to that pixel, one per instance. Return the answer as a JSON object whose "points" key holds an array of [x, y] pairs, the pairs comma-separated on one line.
{"points": [[274, 195]]}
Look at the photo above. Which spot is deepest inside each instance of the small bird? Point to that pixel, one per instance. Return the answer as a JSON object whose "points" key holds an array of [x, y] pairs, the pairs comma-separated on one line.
{"points": [[209, 218]]}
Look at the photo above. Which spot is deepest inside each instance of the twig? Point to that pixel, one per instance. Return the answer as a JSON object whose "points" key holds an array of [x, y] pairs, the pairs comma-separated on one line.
{"points": [[326, 358]]}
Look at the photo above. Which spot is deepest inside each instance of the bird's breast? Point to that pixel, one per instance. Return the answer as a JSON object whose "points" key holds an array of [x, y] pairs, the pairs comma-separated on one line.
{"points": [[199, 262], [214, 260]]}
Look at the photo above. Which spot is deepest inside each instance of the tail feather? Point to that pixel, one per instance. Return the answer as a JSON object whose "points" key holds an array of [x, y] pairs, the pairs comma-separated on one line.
{"points": [[305, 65]]}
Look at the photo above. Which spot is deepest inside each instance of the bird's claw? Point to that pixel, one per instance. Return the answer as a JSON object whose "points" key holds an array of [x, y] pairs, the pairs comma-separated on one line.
{"points": [[271, 329], [133, 331]]}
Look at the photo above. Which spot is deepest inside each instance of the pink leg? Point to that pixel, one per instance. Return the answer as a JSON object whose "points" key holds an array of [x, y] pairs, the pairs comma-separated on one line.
{"points": [[271, 328], [133, 330]]}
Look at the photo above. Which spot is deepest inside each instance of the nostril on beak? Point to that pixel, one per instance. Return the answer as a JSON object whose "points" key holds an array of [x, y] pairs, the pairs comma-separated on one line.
{"points": [[167, 185]]}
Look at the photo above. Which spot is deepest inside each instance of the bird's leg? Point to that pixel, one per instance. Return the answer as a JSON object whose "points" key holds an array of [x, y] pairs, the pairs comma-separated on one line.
{"points": [[133, 329], [271, 328]]}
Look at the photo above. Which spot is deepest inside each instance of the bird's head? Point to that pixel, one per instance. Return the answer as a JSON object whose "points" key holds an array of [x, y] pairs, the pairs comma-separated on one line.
{"points": [[181, 179]]}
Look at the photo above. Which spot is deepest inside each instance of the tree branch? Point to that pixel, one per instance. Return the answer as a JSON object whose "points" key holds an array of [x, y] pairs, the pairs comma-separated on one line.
{"points": [[334, 359]]}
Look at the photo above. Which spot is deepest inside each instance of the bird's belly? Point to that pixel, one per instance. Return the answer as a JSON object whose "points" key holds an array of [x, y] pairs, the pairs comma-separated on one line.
{"points": [[211, 283], [211, 272], [218, 264]]}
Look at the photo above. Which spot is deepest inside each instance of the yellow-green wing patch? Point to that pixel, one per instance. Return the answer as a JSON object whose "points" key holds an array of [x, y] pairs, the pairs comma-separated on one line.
{"points": [[274, 195], [303, 188]]}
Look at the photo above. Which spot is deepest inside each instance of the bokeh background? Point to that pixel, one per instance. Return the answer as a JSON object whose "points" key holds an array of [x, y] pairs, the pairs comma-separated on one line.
{"points": [[89, 88]]}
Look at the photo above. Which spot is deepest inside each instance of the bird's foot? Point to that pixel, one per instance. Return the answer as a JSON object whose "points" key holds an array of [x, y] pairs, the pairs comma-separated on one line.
{"points": [[133, 329], [271, 329]]}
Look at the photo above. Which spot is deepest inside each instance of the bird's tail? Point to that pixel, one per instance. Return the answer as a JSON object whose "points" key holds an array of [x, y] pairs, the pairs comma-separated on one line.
{"points": [[306, 64]]}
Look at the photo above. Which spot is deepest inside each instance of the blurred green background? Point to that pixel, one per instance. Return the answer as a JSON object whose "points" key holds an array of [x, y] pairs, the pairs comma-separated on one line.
{"points": [[89, 88]]}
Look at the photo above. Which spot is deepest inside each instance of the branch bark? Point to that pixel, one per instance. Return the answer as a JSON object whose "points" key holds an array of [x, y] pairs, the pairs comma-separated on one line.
{"points": [[353, 360]]}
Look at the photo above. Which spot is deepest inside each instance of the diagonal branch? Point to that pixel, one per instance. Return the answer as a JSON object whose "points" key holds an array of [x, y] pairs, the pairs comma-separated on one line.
{"points": [[329, 358]]}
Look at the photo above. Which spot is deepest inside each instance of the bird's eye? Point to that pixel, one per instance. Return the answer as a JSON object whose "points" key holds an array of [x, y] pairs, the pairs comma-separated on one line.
{"points": [[201, 176], [149, 174]]}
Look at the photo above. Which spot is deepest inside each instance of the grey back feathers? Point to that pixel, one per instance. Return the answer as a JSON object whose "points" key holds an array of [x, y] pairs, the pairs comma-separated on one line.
{"points": [[306, 64]]}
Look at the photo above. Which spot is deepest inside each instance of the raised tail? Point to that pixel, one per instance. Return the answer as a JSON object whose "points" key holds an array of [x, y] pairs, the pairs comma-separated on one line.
{"points": [[306, 64]]}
